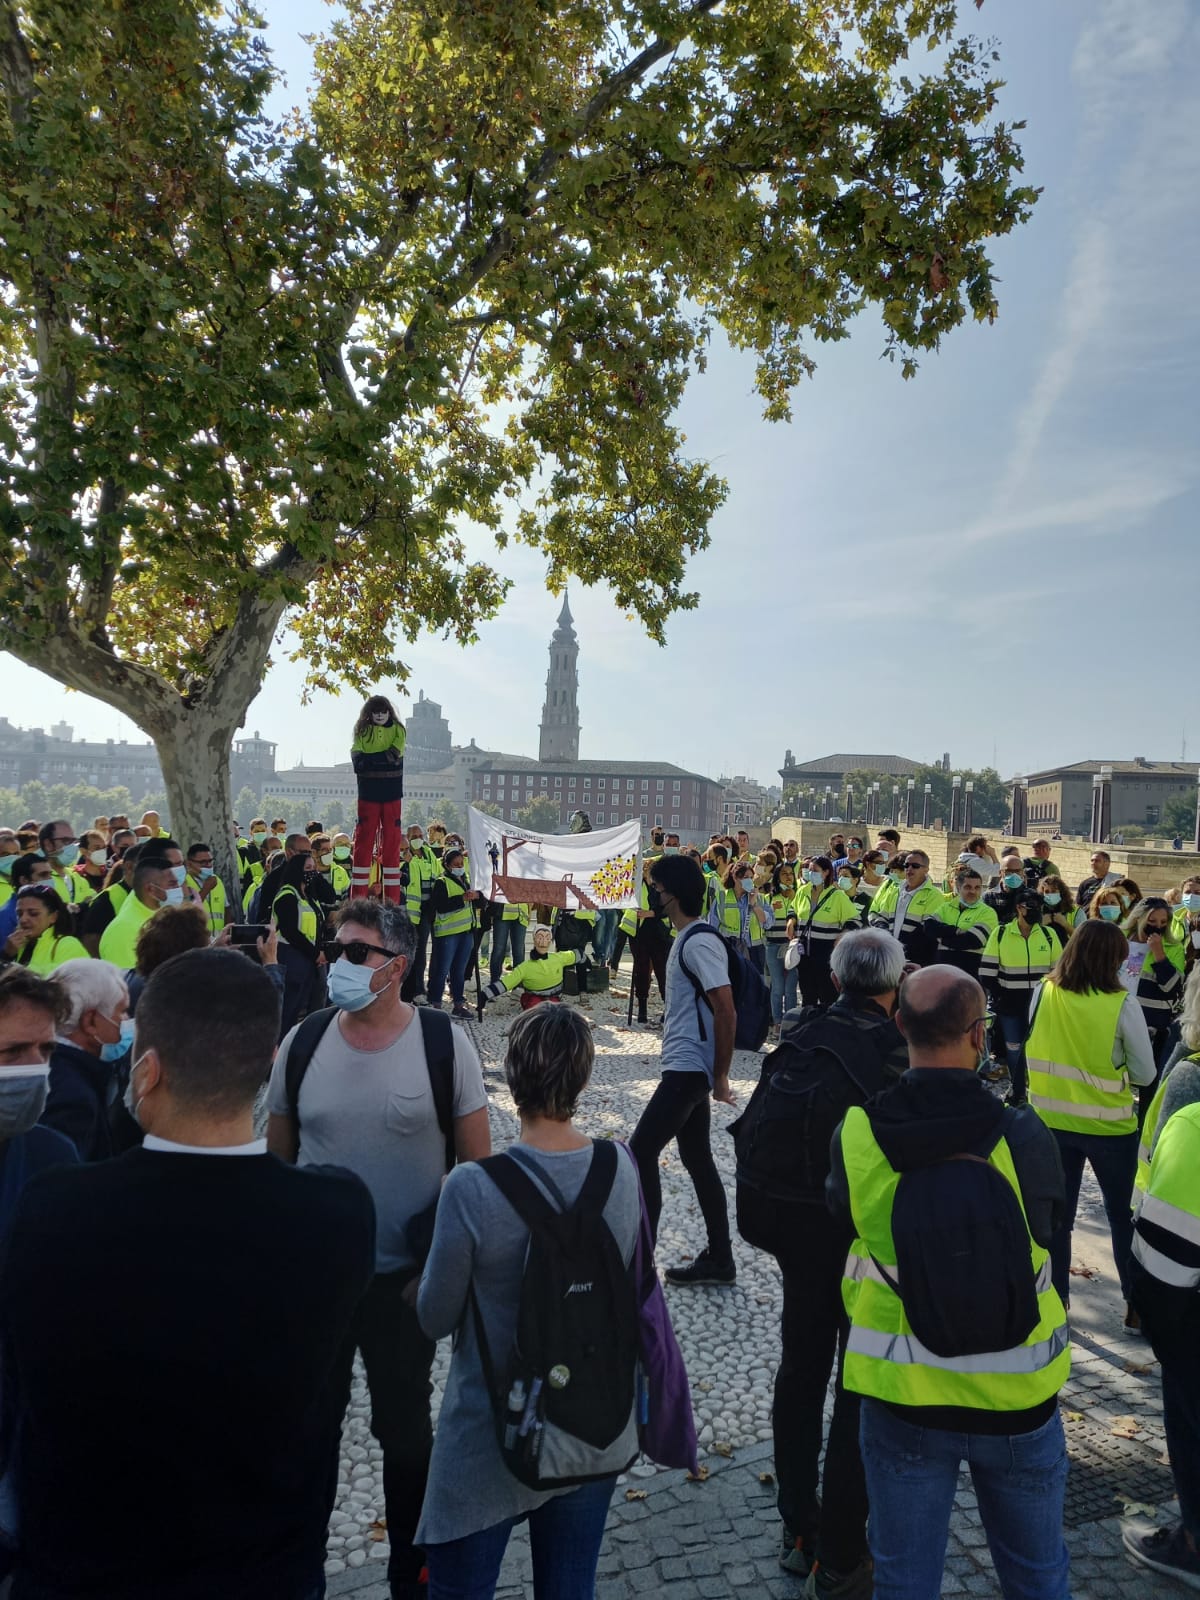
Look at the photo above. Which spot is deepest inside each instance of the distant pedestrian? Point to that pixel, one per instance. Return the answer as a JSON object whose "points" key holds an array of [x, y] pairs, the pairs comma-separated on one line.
{"points": [[377, 754], [699, 1022]]}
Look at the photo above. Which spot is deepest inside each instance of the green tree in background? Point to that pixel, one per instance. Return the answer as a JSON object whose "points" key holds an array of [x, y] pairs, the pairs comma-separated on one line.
{"points": [[245, 807], [245, 363], [541, 814]]}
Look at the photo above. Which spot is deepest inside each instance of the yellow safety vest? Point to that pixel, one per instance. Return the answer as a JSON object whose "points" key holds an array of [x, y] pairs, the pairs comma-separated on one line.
{"points": [[460, 918], [541, 974], [118, 942], [1073, 1083], [213, 905], [1172, 1200], [52, 950], [307, 916], [884, 1358], [729, 913]]}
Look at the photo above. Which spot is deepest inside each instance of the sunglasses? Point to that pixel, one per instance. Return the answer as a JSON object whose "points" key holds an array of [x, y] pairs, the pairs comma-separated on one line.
{"points": [[35, 888], [357, 951]]}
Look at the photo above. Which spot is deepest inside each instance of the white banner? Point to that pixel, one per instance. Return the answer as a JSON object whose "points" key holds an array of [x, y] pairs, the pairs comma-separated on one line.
{"points": [[597, 871]]}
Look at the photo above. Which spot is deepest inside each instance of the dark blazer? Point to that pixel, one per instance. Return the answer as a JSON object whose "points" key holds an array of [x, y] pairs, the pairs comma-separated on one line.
{"points": [[81, 1092], [169, 1329]]}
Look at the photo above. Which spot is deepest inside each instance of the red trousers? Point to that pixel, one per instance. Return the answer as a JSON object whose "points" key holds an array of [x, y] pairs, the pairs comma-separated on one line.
{"points": [[377, 819]]}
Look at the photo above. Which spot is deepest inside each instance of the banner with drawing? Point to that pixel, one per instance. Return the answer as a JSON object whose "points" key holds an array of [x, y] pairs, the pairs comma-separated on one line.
{"points": [[597, 871]]}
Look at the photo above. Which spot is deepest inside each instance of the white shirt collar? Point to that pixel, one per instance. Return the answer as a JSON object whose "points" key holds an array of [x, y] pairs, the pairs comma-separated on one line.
{"points": [[256, 1147]]}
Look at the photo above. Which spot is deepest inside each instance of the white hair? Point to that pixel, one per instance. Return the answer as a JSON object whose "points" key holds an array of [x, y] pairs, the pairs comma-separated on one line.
{"points": [[90, 985], [868, 961]]}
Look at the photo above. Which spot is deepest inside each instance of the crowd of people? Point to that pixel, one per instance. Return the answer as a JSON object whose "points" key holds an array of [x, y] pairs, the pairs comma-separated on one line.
{"points": [[1001, 1015]]}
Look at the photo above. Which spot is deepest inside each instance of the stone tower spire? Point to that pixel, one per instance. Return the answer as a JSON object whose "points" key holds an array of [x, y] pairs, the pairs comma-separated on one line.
{"points": [[559, 731]]}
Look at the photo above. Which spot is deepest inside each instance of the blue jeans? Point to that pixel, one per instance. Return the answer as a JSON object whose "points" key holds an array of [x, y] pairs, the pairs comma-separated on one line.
{"points": [[783, 984], [451, 958], [564, 1538], [1113, 1158], [1013, 1030], [604, 935], [1019, 1480], [506, 936]]}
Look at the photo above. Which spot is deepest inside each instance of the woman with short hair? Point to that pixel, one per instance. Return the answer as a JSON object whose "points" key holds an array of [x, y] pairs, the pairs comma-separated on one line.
{"points": [[476, 1263]]}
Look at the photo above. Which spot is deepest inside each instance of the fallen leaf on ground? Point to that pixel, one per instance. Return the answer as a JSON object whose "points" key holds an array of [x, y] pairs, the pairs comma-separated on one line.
{"points": [[1135, 1508], [1084, 1272], [1132, 1366], [380, 1522], [705, 1385], [1073, 1416], [700, 1476], [378, 1535], [1125, 1427], [635, 1494], [721, 1448], [766, 1477]]}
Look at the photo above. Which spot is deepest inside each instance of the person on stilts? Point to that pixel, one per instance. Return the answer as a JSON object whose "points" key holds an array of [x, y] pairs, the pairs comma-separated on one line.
{"points": [[378, 757]]}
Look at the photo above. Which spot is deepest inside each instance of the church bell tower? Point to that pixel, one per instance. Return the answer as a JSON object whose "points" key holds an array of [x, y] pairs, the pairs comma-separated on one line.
{"points": [[559, 731]]}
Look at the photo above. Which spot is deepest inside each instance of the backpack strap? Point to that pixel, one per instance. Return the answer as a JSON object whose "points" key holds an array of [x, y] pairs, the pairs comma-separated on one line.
{"points": [[437, 1033], [300, 1053], [520, 1179], [701, 992]]}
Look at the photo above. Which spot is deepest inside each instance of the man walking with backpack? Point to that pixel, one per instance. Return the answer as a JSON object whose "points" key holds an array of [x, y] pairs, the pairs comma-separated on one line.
{"points": [[958, 1340], [396, 1095], [830, 1061], [699, 1023]]}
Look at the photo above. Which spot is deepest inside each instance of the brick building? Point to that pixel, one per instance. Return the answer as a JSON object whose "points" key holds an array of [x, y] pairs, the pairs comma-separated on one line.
{"points": [[609, 791]]}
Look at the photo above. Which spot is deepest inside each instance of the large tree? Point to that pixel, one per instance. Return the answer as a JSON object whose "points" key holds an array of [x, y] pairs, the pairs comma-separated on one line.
{"points": [[256, 373]]}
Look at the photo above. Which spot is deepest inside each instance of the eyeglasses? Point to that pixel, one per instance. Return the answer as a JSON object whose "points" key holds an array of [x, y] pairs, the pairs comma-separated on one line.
{"points": [[65, 839], [356, 951]]}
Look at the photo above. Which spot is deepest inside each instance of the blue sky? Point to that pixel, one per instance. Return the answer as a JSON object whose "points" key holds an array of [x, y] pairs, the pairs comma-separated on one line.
{"points": [[996, 559]]}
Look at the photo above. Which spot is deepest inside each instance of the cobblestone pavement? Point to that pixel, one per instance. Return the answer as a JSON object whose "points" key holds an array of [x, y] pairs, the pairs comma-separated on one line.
{"points": [[719, 1538]]}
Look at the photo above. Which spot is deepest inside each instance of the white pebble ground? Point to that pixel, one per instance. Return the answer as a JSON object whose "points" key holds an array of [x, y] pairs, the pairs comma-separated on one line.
{"points": [[730, 1337]]}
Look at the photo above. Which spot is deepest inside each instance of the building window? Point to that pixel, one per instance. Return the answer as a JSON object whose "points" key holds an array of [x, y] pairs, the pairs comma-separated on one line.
{"points": [[1152, 816], [658, 821], [558, 783], [543, 781], [599, 816], [599, 783], [674, 819], [529, 780], [629, 783], [587, 783], [675, 784]]}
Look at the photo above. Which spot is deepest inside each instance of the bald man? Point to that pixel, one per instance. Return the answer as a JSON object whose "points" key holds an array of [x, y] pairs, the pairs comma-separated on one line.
{"points": [[923, 1413]]}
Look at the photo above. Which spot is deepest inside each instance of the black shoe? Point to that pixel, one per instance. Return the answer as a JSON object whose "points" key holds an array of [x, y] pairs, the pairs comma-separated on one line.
{"points": [[826, 1584], [464, 1013], [704, 1269], [795, 1553], [1165, 1550]]}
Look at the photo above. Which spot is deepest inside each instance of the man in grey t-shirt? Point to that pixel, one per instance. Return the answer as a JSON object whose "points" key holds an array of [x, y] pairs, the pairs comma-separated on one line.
{"points": [[366, 1103], [698, 1028]]}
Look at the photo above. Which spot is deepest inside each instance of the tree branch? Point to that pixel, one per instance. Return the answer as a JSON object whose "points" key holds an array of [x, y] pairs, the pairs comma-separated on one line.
{"points": [[16, 66]]}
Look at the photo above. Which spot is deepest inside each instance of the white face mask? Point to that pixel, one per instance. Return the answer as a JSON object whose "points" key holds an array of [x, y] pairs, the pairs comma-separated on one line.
{"points": [[133, 1103], [23, 1091], [98, 858]]}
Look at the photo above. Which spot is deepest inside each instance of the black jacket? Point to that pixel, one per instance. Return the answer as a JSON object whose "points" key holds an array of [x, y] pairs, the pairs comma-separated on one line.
{"points": [[180, 1359], [81, 1092]]}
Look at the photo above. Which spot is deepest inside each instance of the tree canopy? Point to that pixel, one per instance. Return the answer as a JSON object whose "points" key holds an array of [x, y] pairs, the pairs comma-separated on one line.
{"points": [[255, 370]]}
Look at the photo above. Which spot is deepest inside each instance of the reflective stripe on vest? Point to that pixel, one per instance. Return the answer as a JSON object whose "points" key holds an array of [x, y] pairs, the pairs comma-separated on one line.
{"points": [[459, 919], [883, 1357], [306, 915], [1073, 1084], [730, 912], [1162, 1267], [1171, 1204]]}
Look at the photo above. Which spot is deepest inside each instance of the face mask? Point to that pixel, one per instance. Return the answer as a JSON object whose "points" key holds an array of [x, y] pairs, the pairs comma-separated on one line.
{"points": [[1032, 914], [98, 858], [896, 877], [131, 1098], [846, 884], [1052, 899], [121, 1046], [1110, 913], [326, 861], [179, 874], [1157, 933], [8, 862], [67, 856], [964, 902], [350, 986], [745, 885], [174, 896], [984, 1058], [814, 876], [23, 1091], [379, 718], [1189, 902], [258, 837], [670, 849], [204, 874], [1013, 880], [458, 873], [341, 852], [1126, 901]]}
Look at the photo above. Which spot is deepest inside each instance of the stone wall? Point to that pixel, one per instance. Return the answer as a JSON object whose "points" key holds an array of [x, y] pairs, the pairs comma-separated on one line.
{"points": [[1152, 870]]}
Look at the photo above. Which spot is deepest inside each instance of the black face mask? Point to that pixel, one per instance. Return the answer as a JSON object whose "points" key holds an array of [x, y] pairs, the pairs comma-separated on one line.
{"points": [[654, 899], [1032, 913]]}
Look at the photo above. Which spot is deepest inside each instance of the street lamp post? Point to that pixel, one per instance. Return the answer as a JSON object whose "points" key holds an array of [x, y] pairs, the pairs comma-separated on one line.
{"points": [[928, 803], [895, 817], [908, 802], [968, 805], [955, 797], [875, 804]]}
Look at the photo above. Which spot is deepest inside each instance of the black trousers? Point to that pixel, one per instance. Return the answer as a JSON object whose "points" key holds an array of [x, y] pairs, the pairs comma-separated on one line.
{"points": [[651, 947], [399, 1360], [679, 1110], [414, 978]]}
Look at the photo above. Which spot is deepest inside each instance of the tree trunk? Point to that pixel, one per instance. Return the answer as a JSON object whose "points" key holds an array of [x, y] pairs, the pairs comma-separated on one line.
{"points": [[195, 767]]}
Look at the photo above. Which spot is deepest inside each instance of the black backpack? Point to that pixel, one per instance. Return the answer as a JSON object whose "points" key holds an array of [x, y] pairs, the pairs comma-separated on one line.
{"points": [[438, 1037], [564, 1397], [782, 1139], [963, 1267], [751, 995]]}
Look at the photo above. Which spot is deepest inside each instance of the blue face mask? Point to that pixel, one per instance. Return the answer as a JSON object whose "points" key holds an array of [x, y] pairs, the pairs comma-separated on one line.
{"points": [[67, 856], [121, 1046], [1013, 880], [1052, 899], [174, 896], [1110, 913], [350, 986], [1189, 902], [8, 862], [203, 874], [179, 874]]}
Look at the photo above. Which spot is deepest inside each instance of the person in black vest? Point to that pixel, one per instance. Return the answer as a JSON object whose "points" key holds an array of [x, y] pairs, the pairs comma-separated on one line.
{"points": [[825, 1534], [167, 1388]]}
